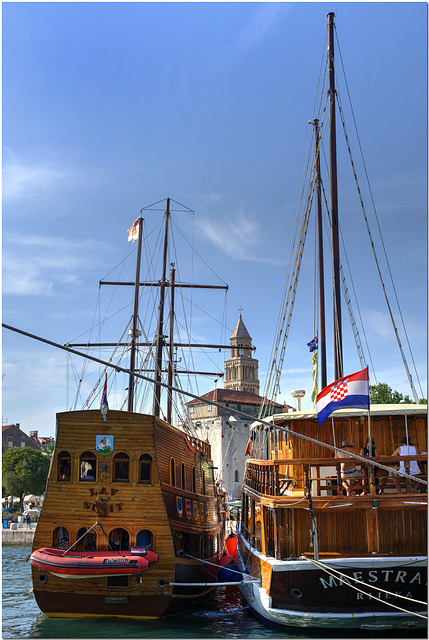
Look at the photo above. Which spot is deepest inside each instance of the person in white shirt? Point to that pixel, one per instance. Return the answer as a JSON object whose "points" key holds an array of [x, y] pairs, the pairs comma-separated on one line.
{"points": [[406, 448]]}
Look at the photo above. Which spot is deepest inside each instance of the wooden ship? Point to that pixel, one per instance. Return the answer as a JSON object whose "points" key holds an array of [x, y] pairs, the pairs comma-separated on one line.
{"points": [[321, 551], [131, 500]]}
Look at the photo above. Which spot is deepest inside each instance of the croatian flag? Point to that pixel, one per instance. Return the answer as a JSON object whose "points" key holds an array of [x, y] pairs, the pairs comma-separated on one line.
{"points": [[104, 402], [350, 391], [133, 233]]}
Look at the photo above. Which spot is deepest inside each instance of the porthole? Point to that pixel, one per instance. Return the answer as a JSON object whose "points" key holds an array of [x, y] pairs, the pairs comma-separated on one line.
{"points": [[162, 582], [42, 578], [297, 593]]}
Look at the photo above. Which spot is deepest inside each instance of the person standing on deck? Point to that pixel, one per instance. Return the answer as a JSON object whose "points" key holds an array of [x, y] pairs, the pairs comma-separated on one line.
{"points": [[406, 448], [370, 451], [349, 470]]}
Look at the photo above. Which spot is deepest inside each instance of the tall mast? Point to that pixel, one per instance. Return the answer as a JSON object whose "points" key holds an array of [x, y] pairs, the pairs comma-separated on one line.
{"points": [[322, 337], [160, 337], [171, 345], [338, 344], [134, 332]]}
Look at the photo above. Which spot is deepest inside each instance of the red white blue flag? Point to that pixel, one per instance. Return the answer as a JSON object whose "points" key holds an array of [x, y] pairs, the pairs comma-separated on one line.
{"points": [[351, 391], [104, 402]]}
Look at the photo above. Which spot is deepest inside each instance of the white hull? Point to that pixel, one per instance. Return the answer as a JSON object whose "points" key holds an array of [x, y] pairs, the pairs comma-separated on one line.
{"points": [[386, 576]]}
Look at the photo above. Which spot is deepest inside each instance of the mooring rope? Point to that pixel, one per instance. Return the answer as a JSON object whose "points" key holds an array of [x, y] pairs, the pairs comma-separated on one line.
{"points": [[346, 579]]}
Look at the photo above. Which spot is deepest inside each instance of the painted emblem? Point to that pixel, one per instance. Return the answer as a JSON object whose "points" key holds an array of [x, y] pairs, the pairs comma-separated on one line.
{"points": [[188, 508], [104, 445], [195, 504], [179, 505]]}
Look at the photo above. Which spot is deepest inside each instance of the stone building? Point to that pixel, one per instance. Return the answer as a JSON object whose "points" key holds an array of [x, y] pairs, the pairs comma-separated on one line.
{"points": [[12, 436], [228, 433]]}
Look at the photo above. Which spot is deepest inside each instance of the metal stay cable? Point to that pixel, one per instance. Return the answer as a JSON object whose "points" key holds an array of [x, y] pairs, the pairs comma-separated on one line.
{"points": [[382, 242], [345, 581], [213, 402], [82, 536]]}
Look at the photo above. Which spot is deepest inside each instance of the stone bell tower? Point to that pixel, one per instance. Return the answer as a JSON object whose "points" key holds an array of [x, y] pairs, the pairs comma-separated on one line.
{"points": [[241, 370]]}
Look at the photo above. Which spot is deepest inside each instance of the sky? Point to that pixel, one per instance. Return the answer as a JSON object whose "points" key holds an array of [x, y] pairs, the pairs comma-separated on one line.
{"points": [[110, 107]]}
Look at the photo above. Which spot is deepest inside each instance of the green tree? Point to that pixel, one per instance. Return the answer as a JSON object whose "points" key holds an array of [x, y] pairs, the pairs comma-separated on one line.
{"points": [[381, 393], [25, 470]]}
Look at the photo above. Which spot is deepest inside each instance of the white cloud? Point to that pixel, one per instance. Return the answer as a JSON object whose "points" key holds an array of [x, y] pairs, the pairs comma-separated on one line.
{"points": [[239, 236], [33, 264], [264, 22], [38, 179]]}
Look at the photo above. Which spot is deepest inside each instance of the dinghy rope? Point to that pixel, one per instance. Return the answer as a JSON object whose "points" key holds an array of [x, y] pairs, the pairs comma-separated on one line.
{"points": [[345, 579]]}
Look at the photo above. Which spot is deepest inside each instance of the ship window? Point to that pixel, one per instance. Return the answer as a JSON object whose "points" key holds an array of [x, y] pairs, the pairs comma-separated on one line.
{"points": [[172, 472], [194, 480], [64, 466], [179, 542], [145, 539], [183, 476], [145, 476], [121, 467], [88, 466], [61, 538], [119, 540], [86, 541]]}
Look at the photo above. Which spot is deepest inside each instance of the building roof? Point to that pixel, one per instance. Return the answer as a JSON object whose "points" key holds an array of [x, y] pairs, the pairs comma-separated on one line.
{"points": [[240, 330], [5, 427], [229, 395]]}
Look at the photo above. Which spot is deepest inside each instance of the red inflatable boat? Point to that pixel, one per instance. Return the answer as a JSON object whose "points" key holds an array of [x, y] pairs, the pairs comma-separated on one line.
{"points": [[92, 564]]}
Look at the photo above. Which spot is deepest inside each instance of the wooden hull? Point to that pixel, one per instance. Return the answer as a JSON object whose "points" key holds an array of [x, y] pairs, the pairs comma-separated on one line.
{"points": [[324, 558], [170, 506]]}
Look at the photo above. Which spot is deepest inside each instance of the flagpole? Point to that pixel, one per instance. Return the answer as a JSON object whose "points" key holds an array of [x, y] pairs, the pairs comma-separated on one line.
{"points": [[333, 430]]}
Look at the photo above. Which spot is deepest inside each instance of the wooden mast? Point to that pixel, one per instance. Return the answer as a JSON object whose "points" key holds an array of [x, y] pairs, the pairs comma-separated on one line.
{"points": [[322, 337], [160, 337], [171, 346], [134, 332], [338, 346]]}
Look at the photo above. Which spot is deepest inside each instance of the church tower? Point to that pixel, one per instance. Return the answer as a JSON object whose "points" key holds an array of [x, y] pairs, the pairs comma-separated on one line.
{"points": [[241, 370]]}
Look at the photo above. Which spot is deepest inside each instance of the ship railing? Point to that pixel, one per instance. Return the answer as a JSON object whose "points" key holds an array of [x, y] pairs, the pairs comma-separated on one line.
{"points": [[255, 540], [274, 477]]}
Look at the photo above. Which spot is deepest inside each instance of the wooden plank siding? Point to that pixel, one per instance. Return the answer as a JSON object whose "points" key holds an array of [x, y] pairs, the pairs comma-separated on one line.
{"points": [[130, 505]]}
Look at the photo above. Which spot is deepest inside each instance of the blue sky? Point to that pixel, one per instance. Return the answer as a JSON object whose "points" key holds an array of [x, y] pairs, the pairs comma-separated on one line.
{"points": [[109, 107]]}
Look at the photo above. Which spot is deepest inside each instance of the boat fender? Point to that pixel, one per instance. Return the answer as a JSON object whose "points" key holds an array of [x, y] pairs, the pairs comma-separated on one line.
{"points": [[230, 573]]}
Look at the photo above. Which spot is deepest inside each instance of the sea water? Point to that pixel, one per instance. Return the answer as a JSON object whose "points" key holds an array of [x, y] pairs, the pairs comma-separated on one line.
{"points": [[224, 614]]}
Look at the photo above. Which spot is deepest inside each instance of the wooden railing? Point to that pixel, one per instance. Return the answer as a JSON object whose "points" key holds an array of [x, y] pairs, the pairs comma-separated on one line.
{"points": [[266, 477]]}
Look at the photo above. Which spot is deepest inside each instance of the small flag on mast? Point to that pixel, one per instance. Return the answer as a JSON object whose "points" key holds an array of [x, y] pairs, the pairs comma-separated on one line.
{"points": [[133, 233], [351, 392], [104, 402], [312, 345]]}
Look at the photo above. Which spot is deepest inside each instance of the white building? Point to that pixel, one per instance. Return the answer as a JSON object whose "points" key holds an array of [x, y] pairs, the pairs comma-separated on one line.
{"points": [[227, 433]]}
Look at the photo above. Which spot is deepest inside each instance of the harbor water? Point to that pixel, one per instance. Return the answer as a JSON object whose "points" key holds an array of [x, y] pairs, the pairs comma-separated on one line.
{"points": [[223, 614]]}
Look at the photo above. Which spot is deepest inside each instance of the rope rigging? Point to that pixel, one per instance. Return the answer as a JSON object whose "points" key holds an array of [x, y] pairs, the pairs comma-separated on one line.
{"points": [[381, 238], [272, 384]]}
